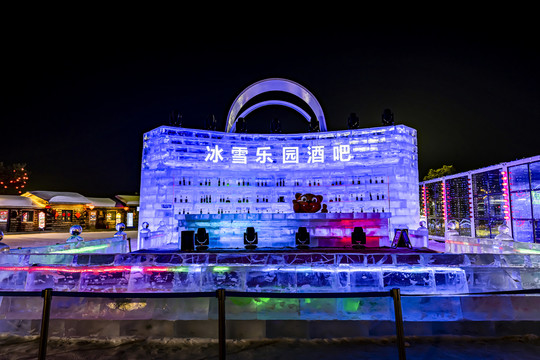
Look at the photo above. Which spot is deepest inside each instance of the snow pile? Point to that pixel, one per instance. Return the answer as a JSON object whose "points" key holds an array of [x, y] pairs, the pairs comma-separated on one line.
{"points": [[523, 347]]}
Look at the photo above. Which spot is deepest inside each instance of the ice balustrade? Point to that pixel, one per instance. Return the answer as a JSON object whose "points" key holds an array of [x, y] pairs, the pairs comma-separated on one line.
{"points": [[463, 244], [113, 245], [275, 272], [194, 172]]}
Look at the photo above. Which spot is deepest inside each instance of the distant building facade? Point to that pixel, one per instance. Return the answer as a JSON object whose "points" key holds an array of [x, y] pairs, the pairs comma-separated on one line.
{"points": [[477, 202], [58, 211], [18, 214]]}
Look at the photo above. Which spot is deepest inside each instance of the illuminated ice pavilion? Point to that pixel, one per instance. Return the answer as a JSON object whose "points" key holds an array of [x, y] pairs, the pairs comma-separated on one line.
{"points": [[227, 180]]}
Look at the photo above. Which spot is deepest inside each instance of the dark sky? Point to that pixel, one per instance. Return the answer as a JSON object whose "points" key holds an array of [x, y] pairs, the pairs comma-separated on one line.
{"points": [[76, 100]]}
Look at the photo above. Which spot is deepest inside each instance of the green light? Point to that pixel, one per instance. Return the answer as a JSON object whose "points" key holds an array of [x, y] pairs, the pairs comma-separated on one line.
{"points": [[82, 250], [221, 269], [261, 300], [528, 251], [352, 305], [182, 269]]}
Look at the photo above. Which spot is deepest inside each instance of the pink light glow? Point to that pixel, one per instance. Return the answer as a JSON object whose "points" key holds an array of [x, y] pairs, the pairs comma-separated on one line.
{"points": [[505, 194]]}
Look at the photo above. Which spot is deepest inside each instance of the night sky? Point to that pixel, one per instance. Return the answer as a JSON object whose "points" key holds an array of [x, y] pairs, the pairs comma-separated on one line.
{"points": [[77, 100]]}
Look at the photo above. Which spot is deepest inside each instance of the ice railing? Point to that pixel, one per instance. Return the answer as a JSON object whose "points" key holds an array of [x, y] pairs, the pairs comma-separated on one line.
{"points": [[463, 244], [112, 245], [515, 305], [270, 272]]}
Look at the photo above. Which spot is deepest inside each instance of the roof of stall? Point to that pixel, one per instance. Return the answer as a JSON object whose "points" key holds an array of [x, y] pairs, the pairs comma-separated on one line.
{"points": [[59, 197], [102, 202], [17, 201], [129, 200]]}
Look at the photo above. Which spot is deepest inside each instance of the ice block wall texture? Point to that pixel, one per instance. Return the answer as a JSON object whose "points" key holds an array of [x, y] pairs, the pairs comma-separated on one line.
{"points": [[271, 272], [189, 171], [448, 308], [279, 230]]}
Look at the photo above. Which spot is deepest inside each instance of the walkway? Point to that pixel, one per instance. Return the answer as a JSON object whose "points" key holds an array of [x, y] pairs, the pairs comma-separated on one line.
{"points": [[15, 240]]}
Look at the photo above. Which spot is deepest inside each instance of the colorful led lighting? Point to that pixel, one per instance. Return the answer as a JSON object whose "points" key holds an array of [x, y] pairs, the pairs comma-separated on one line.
{"points": [[506, 205], [444, 200], [85, 249]]}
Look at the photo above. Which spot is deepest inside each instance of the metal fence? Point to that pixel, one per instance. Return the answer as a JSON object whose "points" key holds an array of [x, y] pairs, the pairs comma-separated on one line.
{"points": [[222, 294]]}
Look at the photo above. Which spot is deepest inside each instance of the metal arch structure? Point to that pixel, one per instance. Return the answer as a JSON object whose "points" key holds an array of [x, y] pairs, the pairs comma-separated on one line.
{"points": [[274, 84]]}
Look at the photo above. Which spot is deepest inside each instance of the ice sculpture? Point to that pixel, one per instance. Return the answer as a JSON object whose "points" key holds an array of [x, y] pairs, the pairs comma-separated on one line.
{"points": [[504, 233], [3, 247], [75, 232], [120, 227]]}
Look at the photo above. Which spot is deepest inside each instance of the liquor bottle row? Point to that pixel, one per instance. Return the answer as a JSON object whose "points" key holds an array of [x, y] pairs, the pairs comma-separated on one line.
{"points": [[249, 210], [208, 199], [282, 182]]}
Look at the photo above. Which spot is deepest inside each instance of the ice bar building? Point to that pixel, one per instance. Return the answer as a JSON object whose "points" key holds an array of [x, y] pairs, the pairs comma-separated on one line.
{"points": [[227, 181]]}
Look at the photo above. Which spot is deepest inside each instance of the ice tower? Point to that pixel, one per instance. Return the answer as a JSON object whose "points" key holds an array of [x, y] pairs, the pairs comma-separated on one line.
{"points": [[191, 177]]}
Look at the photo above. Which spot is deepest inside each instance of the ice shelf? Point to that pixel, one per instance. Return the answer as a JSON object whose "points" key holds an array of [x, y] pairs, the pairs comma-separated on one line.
{"points": [[278, 230]]}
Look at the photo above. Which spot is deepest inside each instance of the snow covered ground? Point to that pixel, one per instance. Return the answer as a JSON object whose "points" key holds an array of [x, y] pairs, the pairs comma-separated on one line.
{"points": [[441, 348]]}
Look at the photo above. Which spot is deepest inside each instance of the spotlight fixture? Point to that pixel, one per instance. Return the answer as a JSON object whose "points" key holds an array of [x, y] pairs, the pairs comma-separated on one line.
{"points": [[353, 122], [358, 238], [313, 126], [250, 238], [186, 240], [275, 127], [241, 125], [401, 239], [302, 238], [387, 117], [202, 240]]}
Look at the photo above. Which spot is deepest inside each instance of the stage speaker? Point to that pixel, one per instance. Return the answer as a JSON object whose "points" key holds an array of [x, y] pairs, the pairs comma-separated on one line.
{"points": [[250, 238], [202, 239], [358, 238], [302, 238], [186, 240]]}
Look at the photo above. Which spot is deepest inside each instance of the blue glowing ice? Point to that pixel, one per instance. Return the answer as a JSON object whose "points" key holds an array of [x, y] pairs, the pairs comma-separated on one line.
{"points": [[198, 172]]}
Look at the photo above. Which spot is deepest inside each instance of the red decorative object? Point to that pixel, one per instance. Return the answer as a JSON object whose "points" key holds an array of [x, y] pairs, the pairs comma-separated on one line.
{"points": [[307, 203], [77, 214]]}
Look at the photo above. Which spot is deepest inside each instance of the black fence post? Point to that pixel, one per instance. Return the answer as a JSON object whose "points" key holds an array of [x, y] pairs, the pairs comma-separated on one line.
{"points": [[396, 295], [129, 243], [44, 333], [221, 324]]}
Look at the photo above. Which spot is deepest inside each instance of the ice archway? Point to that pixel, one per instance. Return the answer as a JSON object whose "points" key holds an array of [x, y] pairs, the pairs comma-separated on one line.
{"points": [[274, 84]]}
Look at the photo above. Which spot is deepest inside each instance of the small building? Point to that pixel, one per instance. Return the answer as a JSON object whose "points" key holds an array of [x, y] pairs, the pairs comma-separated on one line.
{"points": [[19, 213], [65, 209], [103, 213], [58, 211], [131, 207]]}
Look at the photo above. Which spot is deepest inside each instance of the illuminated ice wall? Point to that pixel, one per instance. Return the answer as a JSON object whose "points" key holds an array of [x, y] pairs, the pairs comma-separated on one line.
{"points": [[194, 172]]}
